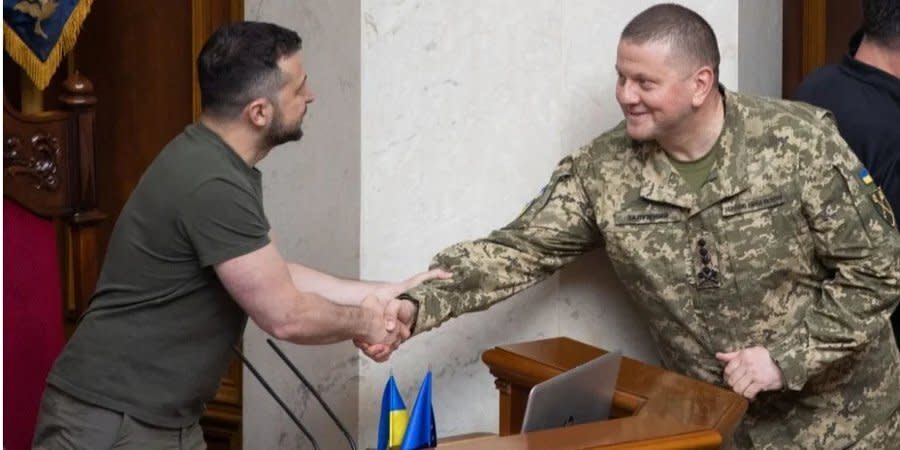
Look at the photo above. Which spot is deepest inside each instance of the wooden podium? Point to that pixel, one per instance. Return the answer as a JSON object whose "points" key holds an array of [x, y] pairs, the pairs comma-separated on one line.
{"points": [[652, 407]]}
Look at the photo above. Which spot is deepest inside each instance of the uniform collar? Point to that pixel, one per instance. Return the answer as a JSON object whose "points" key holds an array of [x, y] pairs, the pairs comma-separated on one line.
{"points": [[728, 177]]}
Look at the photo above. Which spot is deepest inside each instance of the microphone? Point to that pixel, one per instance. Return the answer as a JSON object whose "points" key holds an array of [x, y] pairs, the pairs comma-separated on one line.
{"points": [[313, 391], [278, 399]]}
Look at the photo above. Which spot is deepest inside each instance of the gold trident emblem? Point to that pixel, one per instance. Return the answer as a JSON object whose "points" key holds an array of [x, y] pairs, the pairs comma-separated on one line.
{"points": [[885, 208], [41, 10]]}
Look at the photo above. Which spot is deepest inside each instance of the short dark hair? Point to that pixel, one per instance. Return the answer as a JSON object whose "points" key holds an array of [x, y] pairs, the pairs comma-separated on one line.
{"points": [[684, 30], [239, 63], [881, 22]]}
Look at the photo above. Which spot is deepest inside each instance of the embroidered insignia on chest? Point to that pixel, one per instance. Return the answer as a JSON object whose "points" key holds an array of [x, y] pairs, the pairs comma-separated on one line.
{"points": [[884, 208], [646, 216], [707, 265], [752, 204]]}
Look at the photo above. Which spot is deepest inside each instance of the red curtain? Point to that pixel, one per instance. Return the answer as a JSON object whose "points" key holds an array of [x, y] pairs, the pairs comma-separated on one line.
{"points": [[32, 319]]}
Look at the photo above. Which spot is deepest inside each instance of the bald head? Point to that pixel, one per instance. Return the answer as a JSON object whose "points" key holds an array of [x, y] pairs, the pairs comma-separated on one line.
{"points": [[689, 36]]}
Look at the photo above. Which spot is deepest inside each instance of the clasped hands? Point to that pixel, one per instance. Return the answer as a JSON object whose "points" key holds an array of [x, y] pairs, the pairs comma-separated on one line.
{"points": [[392, 317]]}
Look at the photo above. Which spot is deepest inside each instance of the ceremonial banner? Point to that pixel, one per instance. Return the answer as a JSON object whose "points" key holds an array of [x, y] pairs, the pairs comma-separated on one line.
{"points": [[38, 33]]}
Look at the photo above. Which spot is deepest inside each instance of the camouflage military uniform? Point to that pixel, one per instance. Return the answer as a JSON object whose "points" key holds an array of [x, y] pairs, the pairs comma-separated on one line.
{"points": [[787, 246]]}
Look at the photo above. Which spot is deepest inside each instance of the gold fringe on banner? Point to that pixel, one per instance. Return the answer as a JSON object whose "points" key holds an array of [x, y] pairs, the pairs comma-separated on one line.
{"points": [[42, 71]]}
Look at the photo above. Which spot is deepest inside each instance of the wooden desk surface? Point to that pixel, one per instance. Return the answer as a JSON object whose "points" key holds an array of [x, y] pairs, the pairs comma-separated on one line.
{"points": [[655, 408]]}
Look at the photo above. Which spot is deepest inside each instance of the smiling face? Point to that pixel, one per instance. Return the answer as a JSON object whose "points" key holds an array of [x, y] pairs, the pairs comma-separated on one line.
{"points": [[657, 94]]}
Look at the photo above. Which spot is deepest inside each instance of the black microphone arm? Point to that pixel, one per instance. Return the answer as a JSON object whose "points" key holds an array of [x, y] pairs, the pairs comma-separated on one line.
{"points": [[278, 399], [314, 392]]}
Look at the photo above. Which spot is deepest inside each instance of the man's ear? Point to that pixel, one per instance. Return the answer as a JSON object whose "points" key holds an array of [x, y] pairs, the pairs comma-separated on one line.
{"points": [[704, 81], [259, 112]]}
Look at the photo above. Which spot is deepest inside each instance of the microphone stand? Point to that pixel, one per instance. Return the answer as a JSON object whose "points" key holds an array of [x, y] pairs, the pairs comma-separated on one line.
{"points": [[276, 397], [314, 392]]}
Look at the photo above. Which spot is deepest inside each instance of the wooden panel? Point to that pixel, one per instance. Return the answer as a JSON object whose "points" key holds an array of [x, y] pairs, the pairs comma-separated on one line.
{"points": [[80, 264], [208, 16], [49, 169], [138, 55], [804, 25], [814, 20], [39, 161], [792, 47], [815, 33], [653, 408], [584, 437], [222, 427], [842, 19]]}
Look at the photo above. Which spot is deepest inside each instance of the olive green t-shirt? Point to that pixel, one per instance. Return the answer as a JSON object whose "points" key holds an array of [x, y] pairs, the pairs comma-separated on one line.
{"points": [[695, 173], [156, 338]]}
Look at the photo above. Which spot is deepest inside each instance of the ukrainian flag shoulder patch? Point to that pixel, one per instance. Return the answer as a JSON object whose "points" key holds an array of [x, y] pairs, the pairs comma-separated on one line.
{"points": [[864, 176]]}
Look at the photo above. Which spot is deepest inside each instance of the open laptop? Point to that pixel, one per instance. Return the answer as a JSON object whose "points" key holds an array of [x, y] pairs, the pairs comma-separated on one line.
{"points": [[580, 395]]}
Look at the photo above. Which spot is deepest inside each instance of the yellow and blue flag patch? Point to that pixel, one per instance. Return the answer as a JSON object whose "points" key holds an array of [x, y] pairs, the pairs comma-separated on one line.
{"points": [[865, 177]]}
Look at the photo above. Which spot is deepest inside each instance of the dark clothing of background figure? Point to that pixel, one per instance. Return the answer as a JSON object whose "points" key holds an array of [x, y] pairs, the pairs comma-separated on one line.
{"points": [[866, 104]]}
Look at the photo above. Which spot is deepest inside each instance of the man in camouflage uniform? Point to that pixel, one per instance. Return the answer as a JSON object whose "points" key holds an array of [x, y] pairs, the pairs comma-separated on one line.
{"points": [[744, 227]]}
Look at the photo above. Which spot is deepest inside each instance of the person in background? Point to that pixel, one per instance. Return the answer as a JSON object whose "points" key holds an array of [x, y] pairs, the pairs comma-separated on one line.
{"points": [[863, 93]]}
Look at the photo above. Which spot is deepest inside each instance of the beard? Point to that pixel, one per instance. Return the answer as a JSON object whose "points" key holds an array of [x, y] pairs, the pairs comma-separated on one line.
{"points": [[282, 132]]}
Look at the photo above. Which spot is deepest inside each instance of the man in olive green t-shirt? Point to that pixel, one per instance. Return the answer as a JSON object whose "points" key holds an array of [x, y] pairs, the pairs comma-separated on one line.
{"points": [[191, 257]]}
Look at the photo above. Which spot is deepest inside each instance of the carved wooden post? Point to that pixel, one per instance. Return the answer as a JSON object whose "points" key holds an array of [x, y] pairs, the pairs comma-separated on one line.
{"points": [[78, 230]]}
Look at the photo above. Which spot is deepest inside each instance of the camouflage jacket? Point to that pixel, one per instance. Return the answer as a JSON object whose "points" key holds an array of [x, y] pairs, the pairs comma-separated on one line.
{"points": [[789, 245]]}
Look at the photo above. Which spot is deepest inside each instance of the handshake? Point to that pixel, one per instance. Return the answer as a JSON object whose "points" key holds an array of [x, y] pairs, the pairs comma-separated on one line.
{"points": [[391, 319]]}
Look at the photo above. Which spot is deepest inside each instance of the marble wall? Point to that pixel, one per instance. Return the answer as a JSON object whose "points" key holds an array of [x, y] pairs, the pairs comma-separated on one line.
{"points": [[759, 42], [311, 194], [437, 121]]}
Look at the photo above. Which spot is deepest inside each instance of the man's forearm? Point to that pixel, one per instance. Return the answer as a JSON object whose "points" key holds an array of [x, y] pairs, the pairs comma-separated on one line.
{"points": [[345, 292], [316, 320]]}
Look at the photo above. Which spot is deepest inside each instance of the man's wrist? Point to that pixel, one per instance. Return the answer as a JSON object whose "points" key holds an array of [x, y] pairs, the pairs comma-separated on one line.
{"points": [[781, 379], [367, 325], [415, 314]]}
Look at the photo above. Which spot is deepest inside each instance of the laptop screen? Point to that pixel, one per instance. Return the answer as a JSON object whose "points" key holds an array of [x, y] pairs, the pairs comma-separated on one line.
{"points": [[579, 395]]}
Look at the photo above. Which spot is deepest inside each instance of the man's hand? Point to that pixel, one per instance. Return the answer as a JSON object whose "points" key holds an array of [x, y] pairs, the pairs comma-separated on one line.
{"points": [[401, 311], [383, 330], [751, 371], [406, 315]]}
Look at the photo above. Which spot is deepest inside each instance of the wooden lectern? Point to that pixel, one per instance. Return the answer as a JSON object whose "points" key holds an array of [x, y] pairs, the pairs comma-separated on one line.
{"points": [[652, 407]]}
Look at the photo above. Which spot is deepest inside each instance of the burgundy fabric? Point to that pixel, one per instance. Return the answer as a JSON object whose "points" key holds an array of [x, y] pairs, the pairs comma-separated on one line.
{"points": [[32, 319]]}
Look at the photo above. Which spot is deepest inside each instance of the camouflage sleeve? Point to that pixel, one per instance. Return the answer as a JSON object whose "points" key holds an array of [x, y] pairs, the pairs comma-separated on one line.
{"points": [[556, 227], [856, 240]]}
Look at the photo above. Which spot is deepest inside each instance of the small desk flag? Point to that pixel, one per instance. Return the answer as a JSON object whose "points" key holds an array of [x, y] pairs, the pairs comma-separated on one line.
{"points": [[421, 431], [392, 425]]}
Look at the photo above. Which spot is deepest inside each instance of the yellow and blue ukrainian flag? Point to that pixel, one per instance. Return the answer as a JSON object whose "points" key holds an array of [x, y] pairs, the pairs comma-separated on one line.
{"points": [[865, 177], [392, 425], [421, 432]]}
